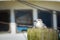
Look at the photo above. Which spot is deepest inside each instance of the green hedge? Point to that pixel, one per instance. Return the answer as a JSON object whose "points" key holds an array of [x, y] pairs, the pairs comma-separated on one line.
{"points": [[42, 34]]}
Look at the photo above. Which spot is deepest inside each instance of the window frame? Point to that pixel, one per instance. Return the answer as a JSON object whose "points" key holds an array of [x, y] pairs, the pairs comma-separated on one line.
{"points": [[54, 19], [26, 10], [47, 12], [9, 31], [30, 26]]}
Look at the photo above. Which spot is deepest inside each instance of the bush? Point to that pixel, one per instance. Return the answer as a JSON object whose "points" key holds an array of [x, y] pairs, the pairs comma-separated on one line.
{"points": [[42, 34]]}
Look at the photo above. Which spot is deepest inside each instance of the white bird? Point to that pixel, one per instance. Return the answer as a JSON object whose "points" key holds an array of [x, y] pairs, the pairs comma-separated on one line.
{"points": [[40, 24]]}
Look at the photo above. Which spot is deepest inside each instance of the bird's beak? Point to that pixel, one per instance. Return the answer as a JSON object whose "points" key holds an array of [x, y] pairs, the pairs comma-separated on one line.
{"points": [[34, 20]]}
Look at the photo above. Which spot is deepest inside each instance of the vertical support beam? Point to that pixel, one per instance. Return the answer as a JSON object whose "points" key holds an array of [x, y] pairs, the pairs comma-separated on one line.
{"points": [[35, 16], [54, 20], [13, 25]]}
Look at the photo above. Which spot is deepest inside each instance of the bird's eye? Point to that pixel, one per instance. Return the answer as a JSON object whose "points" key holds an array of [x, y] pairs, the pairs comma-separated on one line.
{"points": [[34, 20]]}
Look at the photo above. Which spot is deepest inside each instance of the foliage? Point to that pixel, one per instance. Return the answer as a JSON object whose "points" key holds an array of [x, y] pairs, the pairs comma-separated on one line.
{"points": [[42, 34]]}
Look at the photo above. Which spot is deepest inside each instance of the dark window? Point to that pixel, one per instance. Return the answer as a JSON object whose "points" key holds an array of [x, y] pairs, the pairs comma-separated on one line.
{"points": [[4, 27], [4, 20], [5, 16], [58, 19], [23, 18], [46, 16]]}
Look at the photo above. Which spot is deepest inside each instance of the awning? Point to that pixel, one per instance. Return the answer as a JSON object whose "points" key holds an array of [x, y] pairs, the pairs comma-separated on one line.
{"points": [[38, 5], [41, 0], [7, 0]]}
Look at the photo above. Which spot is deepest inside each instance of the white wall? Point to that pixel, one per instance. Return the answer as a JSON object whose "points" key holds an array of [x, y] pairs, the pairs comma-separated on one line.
{"points": [[21, 36]]}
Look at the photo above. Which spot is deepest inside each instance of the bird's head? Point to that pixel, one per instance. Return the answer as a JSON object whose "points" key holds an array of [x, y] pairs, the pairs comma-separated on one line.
{"points": [[39, 20]]}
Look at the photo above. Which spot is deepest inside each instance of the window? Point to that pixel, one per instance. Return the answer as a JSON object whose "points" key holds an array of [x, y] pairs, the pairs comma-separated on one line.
{"points": [[23, 19], [46, 17], [58, 19], [4, 20]]}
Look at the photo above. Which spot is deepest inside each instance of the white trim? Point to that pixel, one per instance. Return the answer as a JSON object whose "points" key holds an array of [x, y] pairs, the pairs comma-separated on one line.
{"points": [[54, 20], [35, 16], [13, 24]]}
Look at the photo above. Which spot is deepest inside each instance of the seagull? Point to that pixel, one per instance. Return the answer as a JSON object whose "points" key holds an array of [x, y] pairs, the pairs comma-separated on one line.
{"points": [[40, 24]]}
